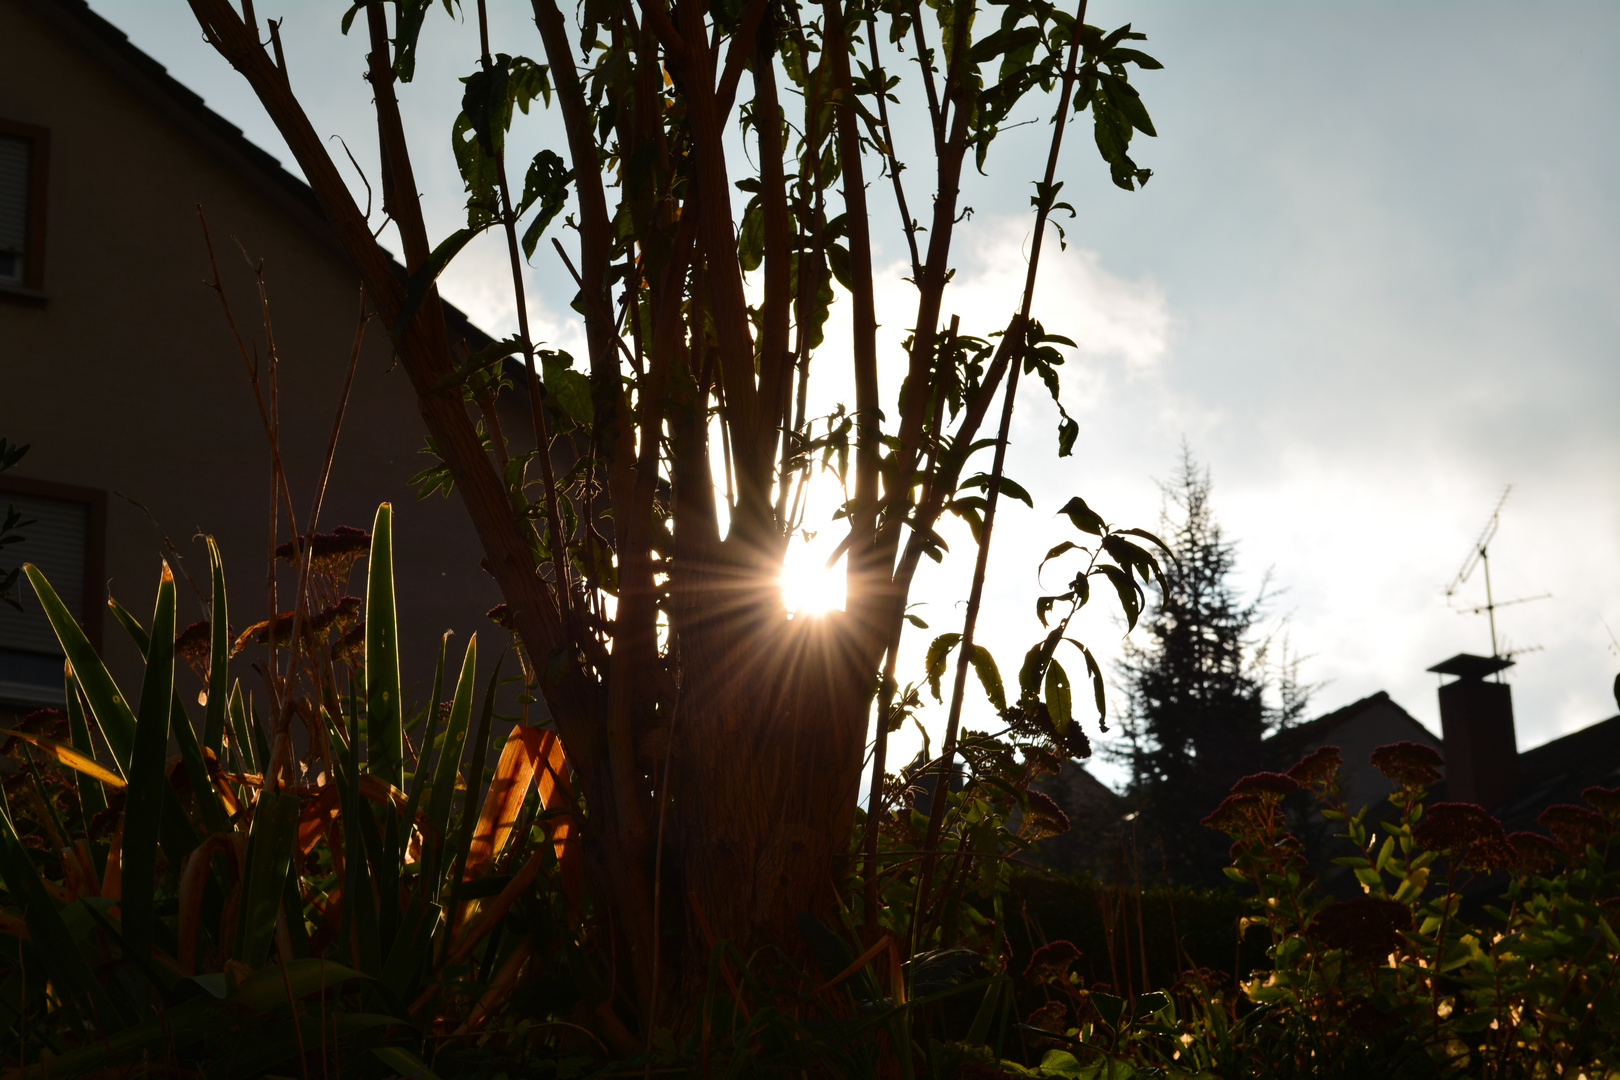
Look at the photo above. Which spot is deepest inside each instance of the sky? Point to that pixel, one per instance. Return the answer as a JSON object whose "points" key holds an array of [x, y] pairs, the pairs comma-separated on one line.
{"points": [[1373, 281]]}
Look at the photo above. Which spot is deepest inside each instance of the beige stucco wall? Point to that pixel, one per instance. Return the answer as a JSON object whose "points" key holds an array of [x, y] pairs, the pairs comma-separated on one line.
{"points": [[128, 379]]}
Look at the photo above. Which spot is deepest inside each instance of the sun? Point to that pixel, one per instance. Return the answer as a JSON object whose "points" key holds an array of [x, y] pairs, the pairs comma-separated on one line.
{"points": [[809, 585]]}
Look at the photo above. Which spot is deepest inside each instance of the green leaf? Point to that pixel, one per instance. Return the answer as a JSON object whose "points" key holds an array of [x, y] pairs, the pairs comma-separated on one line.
{"points": [[569, 389], [1007, 487], [107, 702], [1058, 701], [275, 830], [934, 661], [1130, 593], [92, 797], [1060, 549], [219, 652], [1083, 517], [385, 750], [1094, 669], [148, 778], [455, 739], [422, 279], [1109, 1007], [984, 665], [239, 730], [547, 183]]}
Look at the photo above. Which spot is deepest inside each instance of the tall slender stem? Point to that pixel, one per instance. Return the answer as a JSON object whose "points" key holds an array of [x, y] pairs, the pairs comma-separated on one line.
{"points": [[936, 816]]}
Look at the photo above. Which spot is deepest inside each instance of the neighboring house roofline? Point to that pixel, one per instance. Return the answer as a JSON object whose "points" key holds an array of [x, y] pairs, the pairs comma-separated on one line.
{"points": [[186, 110], [1321, 726]]}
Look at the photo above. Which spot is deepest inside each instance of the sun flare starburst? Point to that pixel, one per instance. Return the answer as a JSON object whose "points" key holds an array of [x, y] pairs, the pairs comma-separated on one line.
{"points": [[809, 585]]}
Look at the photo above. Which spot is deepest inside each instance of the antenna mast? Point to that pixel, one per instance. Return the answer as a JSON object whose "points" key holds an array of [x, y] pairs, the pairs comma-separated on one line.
{"points": [[1479, 556]]}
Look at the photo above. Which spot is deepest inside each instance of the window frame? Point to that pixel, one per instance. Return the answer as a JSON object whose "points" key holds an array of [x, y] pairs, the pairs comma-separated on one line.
{"points": [[39, 168], [95, 540]]}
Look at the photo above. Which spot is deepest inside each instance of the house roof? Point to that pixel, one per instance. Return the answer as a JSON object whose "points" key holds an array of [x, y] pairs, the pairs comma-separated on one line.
{"points": [[1314, 732], [1558, 771], [186, 109]]}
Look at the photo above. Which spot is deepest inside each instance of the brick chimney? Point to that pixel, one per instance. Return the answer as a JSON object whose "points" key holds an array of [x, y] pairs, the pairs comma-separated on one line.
{"points": [[1476, 722]]}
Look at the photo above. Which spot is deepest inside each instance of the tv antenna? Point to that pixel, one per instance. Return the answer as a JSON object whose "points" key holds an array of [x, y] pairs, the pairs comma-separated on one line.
{"points": [[1479, 557]]}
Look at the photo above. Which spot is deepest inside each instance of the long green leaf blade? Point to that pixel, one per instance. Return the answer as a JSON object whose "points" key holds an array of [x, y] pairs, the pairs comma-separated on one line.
{"points": [[385, 750], [219, 653], [275, 831], [92, 798], [239, 730], [475, 780], [107, 702], [455, 739], [143, 809]]}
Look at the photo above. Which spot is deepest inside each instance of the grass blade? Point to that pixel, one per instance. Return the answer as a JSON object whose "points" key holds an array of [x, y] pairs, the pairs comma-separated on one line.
{"points": [[219, 653], [239, 730], [143, 809], [475, 780], [429, 726], [455, 738], [385, 750], [92, 800], [275, 829], [107, 702]]}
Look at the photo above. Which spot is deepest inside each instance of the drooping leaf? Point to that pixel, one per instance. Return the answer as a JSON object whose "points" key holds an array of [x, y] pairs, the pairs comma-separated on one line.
{"points": [[984, 665], [1058, 702], [1130, 593], [934, 662], [69, 757]]}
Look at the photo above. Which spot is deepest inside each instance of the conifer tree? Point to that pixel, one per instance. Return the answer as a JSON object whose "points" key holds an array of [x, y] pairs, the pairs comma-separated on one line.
{"points": [[1196, 713]]}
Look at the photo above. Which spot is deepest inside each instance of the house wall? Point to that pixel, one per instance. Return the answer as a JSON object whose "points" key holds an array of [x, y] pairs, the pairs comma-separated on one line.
{"points": [[127, 377]]}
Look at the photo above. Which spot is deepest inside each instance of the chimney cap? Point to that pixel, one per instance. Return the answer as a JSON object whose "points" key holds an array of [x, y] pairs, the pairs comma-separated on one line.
{"points": [[1469, 666]]}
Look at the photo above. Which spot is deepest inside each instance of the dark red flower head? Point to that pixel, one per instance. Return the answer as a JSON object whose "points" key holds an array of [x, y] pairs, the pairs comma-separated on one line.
{"points": [[338, 613], [193, 642], [1266, 783], [1051, 962], [1458, 827], [1368, 927], [1317, 767], [1607, 800], [1535, 854], [1044, 817], [1235, 814], [500, 615], [1411, 764], [1573, 826]]}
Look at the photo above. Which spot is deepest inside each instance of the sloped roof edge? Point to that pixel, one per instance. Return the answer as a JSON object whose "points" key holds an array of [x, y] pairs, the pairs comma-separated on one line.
{"points": [[187, 111], [1321, 725]]}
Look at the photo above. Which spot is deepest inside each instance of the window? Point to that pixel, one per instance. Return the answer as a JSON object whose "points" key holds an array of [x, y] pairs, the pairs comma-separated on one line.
{"points": [[24, 154], [65, 542]]}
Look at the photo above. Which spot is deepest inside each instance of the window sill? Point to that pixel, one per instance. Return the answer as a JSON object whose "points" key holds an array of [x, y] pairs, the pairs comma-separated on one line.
{"points": [[22, 294]]}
